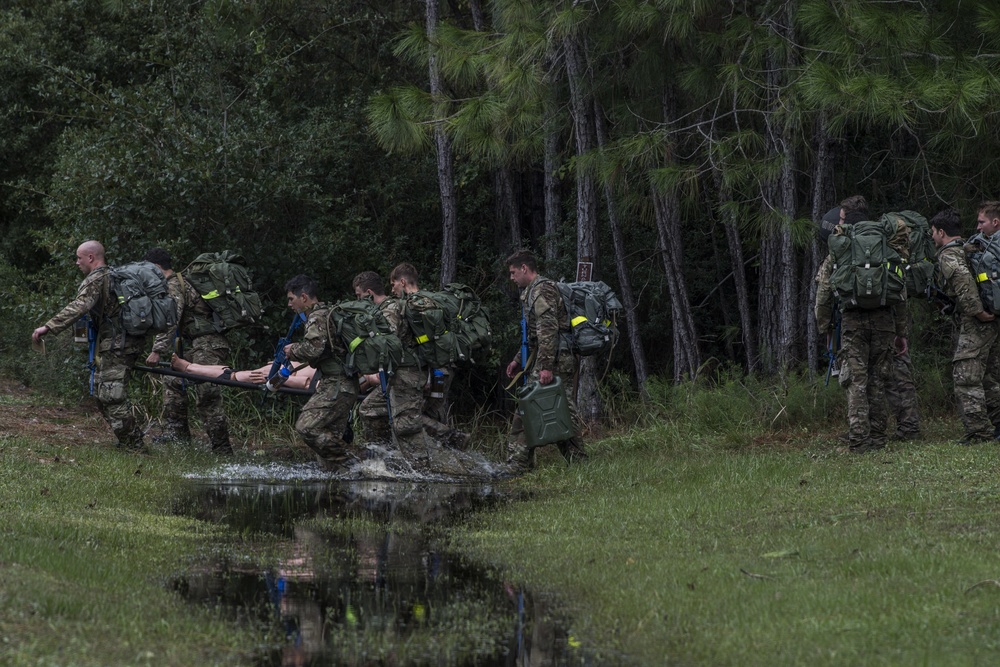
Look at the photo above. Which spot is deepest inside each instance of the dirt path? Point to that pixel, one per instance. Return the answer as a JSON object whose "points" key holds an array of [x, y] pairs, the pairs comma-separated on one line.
{"points": [[24, 411]]}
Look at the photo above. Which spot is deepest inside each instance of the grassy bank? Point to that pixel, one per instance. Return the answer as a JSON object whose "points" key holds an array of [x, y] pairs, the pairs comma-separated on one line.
{"points": [[675, 548], [89, 547]]}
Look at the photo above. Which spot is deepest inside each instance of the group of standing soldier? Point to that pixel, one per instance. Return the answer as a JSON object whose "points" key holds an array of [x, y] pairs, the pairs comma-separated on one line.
{"points": [[417, 423], [874, 362]]}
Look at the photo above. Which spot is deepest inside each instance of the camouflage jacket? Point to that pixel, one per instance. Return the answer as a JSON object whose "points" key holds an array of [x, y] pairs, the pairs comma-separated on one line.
{"points": [[543, 307], [93, 299], [953, 276], [318, 348], [392, 309], [895, 317], [419, 302], [191, 308]]}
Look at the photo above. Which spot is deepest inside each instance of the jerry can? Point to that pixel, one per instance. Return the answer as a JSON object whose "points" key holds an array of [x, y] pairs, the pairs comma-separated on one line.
{"points": [[544, 412]]}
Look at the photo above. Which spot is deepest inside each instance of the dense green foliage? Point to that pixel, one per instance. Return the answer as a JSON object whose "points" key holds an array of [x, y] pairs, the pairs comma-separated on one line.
{"points": [[300, 134]]}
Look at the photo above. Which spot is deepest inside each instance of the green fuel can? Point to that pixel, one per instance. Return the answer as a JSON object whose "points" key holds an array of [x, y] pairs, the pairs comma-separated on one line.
{"points": [[545, 413]]}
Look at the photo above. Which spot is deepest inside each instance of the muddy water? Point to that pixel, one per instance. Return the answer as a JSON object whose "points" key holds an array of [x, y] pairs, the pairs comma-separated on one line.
{"points": [[361, 578]]}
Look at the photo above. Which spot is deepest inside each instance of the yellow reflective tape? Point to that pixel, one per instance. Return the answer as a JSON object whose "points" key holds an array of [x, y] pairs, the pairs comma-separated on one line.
{"points": [[422, 339], [578, 320], [211, 295], [982, 278], [354, 343], [121, 299]]}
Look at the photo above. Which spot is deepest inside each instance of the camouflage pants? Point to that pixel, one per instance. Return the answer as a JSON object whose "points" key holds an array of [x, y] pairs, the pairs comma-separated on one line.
{"points": [[210, 350], [114, 368], [866, 359], [325, 417], [375, 415], [901, 394], [518, 451], [437, 408], [975, 371]]}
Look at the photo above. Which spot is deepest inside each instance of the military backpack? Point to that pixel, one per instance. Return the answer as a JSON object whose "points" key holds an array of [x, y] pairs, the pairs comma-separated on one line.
{"points": [[984, 260], [144, 304], [432, 327], [593, 310], [222, 279], [367, 335], [867, 271], [919, 267], [469, 320]]}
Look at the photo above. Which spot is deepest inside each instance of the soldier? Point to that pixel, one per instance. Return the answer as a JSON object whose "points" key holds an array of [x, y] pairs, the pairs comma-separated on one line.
{"points": [[201, 345], [870, 337], [373, 410], [115, 352], [326, 415], [900, 389], [547, 325], [416, 431], [976, 361]]}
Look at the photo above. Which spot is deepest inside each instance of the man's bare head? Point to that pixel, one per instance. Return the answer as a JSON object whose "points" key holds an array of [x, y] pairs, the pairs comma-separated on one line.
{"points": [[89, 256]]}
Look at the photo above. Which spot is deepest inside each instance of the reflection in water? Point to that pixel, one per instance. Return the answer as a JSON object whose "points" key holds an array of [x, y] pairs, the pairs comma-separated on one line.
{"points": [[360, 580]]}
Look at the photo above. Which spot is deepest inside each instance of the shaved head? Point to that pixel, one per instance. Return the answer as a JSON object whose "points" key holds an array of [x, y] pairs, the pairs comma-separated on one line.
{"points": [[89, 256]]}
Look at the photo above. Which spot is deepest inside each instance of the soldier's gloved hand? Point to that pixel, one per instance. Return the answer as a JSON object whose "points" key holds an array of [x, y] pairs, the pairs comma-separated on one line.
{"points": [[545, 377], [512, 368]]}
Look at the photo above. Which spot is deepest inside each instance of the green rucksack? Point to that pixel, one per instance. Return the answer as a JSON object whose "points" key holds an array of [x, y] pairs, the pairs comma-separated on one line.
{"points": [[222, 279], [469, 320], [432, 327], [144, 304], [919, 266], [867, 271], [371, 344], [985, 264], [593, 309]]}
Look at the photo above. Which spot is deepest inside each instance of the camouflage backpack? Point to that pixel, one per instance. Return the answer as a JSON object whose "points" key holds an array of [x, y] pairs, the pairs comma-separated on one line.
{"points": [[919, 266], [984, 259], [593, 309], [469, 320], [432, 328], [371, 344], [867, 271], [223, 281], [140, 289]]}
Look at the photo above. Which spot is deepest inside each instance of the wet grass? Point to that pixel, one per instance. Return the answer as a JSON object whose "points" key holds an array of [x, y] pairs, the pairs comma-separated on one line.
{"points": [[87, 546], [674, 547]]}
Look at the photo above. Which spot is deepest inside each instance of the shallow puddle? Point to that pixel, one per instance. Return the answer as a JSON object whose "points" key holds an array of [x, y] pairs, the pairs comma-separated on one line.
{"points": [[361, 578]]}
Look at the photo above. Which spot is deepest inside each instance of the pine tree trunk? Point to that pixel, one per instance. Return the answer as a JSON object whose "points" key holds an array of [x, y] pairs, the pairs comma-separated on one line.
{"points": [[624, 284], [552, 199], [734, 243], [582, 109], [779, 297], [822, 193], [507, 209], [687, 358], [445, 162]]}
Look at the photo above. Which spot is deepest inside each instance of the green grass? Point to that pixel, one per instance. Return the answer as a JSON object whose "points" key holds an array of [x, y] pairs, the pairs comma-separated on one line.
{"points": [[88, 547], [687, 552]]}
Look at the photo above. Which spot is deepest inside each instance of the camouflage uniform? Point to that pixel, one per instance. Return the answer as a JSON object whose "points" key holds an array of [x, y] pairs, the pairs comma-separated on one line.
{"points": [[115, 353], [373, 409], [976, 362], [900, 390], [866, 354], [201, 345], [417, 434], [548, 324], [325, 416]]}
